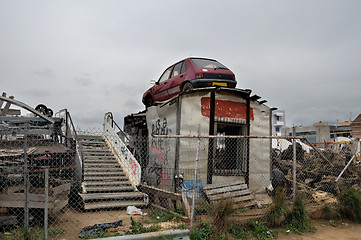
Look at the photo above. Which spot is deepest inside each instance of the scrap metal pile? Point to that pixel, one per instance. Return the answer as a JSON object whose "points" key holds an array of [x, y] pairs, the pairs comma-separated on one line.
{"points": [[318, 173], [29, 144]]}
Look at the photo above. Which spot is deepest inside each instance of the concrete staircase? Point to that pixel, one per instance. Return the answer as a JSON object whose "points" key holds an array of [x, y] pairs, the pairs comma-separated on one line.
{"points": [[105, 184]]}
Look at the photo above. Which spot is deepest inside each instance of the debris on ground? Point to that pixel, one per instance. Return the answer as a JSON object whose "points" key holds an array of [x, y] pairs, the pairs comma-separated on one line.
{"points": [[98, 229], [316, 175], [132, 210]]}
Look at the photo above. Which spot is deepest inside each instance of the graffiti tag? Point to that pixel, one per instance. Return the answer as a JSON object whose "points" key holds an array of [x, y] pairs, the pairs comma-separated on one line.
{"points": [[133, 165]]}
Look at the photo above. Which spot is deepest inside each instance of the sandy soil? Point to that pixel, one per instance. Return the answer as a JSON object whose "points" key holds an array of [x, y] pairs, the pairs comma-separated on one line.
{"points": [[327, 230], [73, 221]]}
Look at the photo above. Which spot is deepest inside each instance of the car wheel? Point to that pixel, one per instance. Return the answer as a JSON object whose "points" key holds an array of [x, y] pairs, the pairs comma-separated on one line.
{"points": [[49, 112], [41, 108], [149, 101], [187, 87]]}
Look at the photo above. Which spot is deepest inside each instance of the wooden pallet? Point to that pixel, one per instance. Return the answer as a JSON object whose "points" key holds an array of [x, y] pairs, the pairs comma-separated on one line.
{"points": [[14, 197], [237, 191]]}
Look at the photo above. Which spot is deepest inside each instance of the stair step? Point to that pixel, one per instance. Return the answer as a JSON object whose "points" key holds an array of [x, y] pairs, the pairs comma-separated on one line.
{"points": [[91, 141], [90, 137], [101, 165], [106, 183], [99, 157], [116, 172], [113, 204], [101, 196], [95, 147], [100, 168], [128, 188], [105, 178], [98, 154], [94, 156], [94, 161]]}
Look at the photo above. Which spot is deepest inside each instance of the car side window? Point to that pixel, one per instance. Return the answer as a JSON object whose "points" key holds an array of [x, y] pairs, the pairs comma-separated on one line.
{"points": [[165, 75], [183, 68], [177, 69]]}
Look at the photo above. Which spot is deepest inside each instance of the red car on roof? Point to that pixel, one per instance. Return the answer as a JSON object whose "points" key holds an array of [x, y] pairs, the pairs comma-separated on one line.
{"points": [[188, 74]]}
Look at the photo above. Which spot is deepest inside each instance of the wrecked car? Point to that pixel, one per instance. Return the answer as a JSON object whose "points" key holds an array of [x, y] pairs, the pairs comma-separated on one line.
{"points": [[188, 74]]}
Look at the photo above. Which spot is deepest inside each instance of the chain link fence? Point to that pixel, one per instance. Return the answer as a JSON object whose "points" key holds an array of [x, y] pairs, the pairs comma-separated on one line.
{"points": [[62, 186]]}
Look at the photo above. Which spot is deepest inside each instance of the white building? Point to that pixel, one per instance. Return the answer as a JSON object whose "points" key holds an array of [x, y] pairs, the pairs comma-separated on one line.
{"points": [[278, 122]]}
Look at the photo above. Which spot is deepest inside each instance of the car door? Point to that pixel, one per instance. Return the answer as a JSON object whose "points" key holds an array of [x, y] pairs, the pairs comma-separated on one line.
{"points": [[176, 79], [160, 92]]}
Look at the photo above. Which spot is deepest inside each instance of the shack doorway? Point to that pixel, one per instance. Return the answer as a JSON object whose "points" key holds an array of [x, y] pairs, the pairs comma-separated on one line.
{"points": [[231, 153]]}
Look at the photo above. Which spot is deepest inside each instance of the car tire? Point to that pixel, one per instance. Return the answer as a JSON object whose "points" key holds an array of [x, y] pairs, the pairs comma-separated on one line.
{"points": [[41, 108], [187, 87], [148, 101], [49, 112]]}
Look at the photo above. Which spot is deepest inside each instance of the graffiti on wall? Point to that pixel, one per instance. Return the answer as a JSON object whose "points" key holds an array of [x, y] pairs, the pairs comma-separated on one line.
{"points": [[132, 163], [160, 149], [159, 128], [161, 174], [188, 187]]}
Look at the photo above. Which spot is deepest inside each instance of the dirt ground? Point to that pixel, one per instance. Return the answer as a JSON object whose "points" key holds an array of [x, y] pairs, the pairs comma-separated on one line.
{"points": [[327, 230], [72, 221]]}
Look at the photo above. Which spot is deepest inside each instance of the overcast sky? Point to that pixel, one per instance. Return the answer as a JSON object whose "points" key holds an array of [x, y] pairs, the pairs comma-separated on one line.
{"points": [[92, 57]]}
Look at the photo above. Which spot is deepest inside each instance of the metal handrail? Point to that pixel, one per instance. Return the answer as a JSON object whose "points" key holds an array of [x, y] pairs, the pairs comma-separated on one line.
{"points": [[118, 143], [73, 134], [123, 135]]}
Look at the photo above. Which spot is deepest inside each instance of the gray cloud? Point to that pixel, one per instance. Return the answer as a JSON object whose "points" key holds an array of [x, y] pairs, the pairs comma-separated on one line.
{"points": [[84, 80], [46, 72], [302, 56]]}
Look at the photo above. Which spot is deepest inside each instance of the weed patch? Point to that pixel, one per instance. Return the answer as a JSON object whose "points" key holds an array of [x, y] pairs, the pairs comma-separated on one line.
{"points": [[138, 228], [297, 219], [349, 205], [239, 232], [203, 232], [277, 213], [262, 232], [221, 212], [33, 233], [163, 216]]}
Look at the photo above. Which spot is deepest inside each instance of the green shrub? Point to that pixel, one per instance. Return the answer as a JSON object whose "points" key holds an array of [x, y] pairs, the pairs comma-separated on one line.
{"points": [[221, 212], [163, 216], [262, 232], [298, 220], [238, 232], [138, 228], [202, 232], [277, 213], [349, 205], [182, 226], [33, 233], [328, 212]]}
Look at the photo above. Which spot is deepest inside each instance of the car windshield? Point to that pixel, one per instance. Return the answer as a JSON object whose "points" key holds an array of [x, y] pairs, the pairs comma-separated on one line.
{"points": [[207, 63]]}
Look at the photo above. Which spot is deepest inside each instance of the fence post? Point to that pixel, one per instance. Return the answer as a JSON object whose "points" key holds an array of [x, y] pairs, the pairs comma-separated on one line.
{"points": [[294, 164], [46, 203], [195, 185], [26, 182]]}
